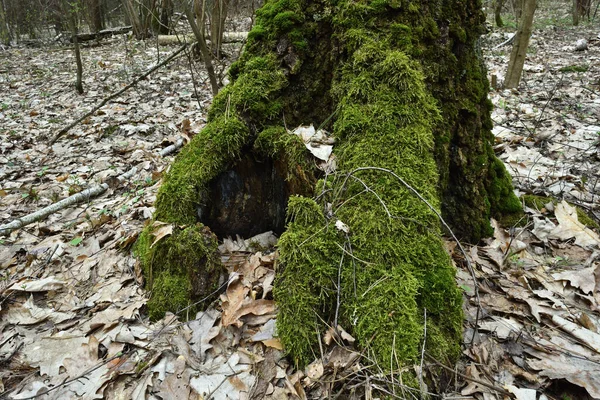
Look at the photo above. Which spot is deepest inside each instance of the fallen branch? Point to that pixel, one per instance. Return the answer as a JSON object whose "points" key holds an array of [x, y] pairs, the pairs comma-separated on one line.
{"points": [[172, 148], [228, 37], [84, 37], [508, 41], [116, 94], [69, 201]]}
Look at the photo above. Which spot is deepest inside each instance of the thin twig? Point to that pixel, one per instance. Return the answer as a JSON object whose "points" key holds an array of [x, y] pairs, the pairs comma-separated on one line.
{"points": [[439, 216], [339, 290], [468, 378], [65, 383], [116, 94], [421, 382]]}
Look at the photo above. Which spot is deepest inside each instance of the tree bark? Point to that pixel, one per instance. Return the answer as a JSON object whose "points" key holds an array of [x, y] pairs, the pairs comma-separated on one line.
{"points": [[519, 50], [4, 27], [403, 89], [74, 21], [139, 30], [96, 15], [166, 12], [218, 16], [581, 8], [498, 13], [206, 55]]}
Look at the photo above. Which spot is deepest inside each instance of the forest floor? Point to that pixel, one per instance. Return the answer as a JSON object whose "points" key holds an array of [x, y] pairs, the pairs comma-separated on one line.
{"points": [[72, 303]]}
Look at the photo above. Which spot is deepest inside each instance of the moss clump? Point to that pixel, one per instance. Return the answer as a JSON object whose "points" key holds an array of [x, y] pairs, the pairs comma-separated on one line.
{"points": [[179, 268], [169, 293], [276, 142], [575, 68], [241, 118], [506, 205], [209, 152], [536, 202], [385, 118]]}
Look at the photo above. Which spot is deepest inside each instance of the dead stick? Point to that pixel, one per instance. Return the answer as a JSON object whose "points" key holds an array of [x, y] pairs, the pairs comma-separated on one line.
{"points": [[69, 201], [117, 94]]}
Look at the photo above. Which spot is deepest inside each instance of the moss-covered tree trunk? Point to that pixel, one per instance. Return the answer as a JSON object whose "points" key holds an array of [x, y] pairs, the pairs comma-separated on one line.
{"points": [[401, 86]]}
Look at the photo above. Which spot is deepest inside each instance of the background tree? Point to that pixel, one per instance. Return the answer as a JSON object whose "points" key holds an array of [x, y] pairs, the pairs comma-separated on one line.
{"points": [[166, 12], [95, 12], [135, 19], [402, 87], [520, 44], [218, 15], [5, 35], [581, 8], [72, 8], [498, 4]]}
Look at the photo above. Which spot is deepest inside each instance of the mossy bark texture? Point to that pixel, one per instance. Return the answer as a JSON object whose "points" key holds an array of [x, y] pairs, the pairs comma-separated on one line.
{"points": [[400, 85]]}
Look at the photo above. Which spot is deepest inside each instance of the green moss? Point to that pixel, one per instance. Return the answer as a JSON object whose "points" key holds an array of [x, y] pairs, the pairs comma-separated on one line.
{"points": [[178, 268], [585, 219], [403, 84], [209, 152], [253, 93], [169, 293], [276, 142], [575, 68], [536, 202], [500, 192], [385, 118]]}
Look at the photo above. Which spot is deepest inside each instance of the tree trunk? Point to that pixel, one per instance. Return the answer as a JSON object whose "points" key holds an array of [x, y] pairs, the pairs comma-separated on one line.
{"points": [[518, 9], [96, 15], [74, 21], [204, 51], [5, 36], [403, 90], [218, 15], [133, 16], [166, 12], [520, 44], [581, 8], [498, 13]]}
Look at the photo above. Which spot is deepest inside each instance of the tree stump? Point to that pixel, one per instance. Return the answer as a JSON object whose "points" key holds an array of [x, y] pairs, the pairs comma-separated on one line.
{"points": [[401, 86]]}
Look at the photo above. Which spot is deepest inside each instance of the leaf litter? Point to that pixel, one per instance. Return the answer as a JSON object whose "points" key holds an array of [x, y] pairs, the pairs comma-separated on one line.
{"points": [[72, 303]]}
